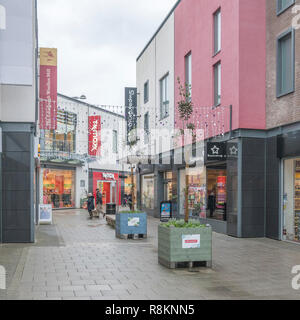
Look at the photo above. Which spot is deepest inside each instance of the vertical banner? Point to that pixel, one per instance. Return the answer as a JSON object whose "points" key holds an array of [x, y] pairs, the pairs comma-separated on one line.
{"points": [[48, 89], [131, 110], [95, 136]]}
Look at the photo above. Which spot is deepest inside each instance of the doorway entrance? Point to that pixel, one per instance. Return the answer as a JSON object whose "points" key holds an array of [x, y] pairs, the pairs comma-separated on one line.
{"points": [[108, 190], [216, 192]]}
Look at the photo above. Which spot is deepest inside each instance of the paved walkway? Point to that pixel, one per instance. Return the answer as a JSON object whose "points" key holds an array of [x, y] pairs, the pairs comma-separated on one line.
{"points": [[81, 259]]}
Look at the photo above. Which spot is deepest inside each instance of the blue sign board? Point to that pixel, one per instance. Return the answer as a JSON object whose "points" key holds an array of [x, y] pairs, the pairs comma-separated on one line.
{"points": [[165, 211]]}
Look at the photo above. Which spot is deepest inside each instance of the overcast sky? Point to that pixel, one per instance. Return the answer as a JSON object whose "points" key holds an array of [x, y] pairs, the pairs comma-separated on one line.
{"points": [[98, 42]]}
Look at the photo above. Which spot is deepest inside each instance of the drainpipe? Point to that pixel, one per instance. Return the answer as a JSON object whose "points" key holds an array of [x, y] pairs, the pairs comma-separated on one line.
{"points": [[36, 68]]}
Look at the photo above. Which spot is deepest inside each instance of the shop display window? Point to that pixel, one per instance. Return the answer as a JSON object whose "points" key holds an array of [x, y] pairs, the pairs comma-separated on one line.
{"points": [[64, 137], [58, 188], [168, 186], [291, 200], [216, 194], [148, 192], [128, 188], [197, 192], [207, 193]]}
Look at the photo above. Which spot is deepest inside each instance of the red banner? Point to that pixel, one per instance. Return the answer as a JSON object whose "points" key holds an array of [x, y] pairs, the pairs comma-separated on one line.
{"points": [[94, 135], [48, 89]]}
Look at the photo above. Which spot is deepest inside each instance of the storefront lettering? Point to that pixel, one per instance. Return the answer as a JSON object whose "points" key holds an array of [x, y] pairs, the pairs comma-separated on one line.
{"points": [[108, 176], [95, 136]]}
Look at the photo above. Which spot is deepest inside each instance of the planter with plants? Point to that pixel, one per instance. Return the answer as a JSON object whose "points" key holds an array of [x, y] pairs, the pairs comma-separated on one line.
{"points": [[131, 224], [187, 244]]}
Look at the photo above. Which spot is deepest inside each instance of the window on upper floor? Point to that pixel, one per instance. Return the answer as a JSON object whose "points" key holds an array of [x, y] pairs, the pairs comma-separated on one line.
{"points": [[63, 139], [115, 141], [282, 5], [217, 84], [217, 31], [146, 92], [146, 128], [285, 63], [164, 97], [188, 74]]}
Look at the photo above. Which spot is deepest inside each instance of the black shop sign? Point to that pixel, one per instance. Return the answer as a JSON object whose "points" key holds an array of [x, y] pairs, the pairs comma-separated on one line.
{"points": [[216, 151]]}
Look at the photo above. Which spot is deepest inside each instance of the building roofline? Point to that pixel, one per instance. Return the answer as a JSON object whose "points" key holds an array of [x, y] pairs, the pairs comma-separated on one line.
{"points": [[90, 105], [159, 28]]}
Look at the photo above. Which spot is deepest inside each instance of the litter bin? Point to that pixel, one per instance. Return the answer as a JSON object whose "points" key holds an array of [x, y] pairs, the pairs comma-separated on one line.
{"points": [[110, 208]]}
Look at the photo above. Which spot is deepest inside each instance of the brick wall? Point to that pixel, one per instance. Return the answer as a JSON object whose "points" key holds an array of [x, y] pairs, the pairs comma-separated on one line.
{"points": [[284, 110]]}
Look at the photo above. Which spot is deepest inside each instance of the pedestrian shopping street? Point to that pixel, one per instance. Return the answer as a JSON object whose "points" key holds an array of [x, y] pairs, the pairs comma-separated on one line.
{"points": [[81, 259]]}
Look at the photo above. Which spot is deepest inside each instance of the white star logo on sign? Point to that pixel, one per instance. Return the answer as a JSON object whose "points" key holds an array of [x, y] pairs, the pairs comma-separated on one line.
{"points": [[233, 151], [215, 150]]}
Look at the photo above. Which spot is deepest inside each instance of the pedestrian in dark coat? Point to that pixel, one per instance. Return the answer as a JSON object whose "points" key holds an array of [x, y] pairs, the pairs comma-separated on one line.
{"points": [[91, 205], [211, 203]]}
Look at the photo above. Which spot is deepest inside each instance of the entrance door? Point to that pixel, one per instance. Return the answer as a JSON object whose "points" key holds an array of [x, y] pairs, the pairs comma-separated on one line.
{"points": [[216, 193], [113, 192], [106, 193]]}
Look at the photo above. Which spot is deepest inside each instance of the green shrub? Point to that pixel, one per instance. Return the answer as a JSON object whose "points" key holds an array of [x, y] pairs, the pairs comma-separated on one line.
{"points": [[173, 223]]}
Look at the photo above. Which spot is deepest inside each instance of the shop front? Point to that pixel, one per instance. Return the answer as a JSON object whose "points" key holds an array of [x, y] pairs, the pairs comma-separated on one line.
{"points": [[59, 187], [289, 151], [147, 192], [109, 184]]}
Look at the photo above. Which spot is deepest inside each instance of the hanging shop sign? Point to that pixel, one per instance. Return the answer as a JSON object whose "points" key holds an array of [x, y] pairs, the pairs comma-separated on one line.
{"points": [[216, 151], [287, 144], [94, 136], [165, 211], [48, 89], [131, 112], [45, 214], [191, 241]]}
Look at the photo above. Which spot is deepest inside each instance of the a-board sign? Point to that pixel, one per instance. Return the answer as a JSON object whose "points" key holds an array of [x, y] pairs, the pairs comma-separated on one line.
{"points": [[45, 214], [165, 211]]}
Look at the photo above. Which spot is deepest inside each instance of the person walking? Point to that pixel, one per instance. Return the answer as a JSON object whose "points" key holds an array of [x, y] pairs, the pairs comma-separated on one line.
{"points": [[129, 202], [91, 204], [99, 201], [211, 203]]}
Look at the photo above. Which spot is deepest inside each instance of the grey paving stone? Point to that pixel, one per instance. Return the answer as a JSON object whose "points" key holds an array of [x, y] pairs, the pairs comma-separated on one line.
{"points": [[62, 294], [98, 287], [71, 288], [92, 264]]}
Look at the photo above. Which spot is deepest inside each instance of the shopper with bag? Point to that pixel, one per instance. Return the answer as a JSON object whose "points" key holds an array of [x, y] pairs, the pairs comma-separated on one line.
{"points": [[91, 205], [99, 201]]}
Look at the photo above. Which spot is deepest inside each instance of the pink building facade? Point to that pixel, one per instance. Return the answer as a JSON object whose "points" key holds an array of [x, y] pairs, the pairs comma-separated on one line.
{"points": [[242, 59]]}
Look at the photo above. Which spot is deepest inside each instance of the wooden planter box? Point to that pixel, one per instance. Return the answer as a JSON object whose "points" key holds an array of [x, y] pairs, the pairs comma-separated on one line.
{"points": [[184, 246], [131, 224]]}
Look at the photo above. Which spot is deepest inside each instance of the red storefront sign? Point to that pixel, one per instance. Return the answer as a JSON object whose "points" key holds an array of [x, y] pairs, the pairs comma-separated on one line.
{"points": [[94, 135], [48, 89], [102, 181]]}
